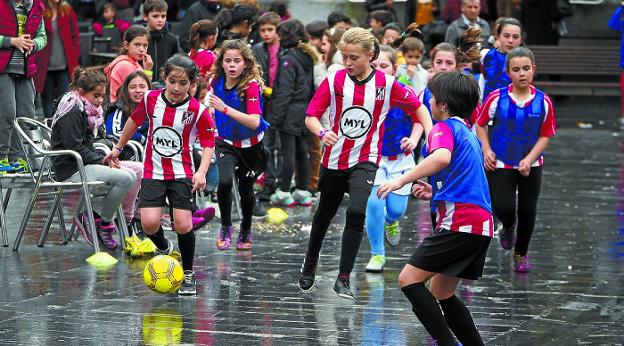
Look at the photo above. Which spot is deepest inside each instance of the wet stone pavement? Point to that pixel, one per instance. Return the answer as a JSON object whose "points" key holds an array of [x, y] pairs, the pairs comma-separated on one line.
{"points": [[575, 294]]}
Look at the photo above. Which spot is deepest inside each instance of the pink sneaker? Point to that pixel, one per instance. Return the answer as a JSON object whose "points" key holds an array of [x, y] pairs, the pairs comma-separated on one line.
{"points": [[521, 264], [206, 213], [244, 241], [105, 233], [224, 239]]}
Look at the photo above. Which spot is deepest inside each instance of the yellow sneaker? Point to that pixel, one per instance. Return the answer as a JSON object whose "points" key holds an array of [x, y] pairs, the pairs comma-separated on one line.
{"points": [[145, 247], [132, 243]]}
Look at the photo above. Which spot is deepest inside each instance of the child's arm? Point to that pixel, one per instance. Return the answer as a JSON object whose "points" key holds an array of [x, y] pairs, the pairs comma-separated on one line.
{"points": [[40, 40], [432, 164], [406, 99], [488, 111], [252, 118], [205, 133], [533, 155], [615, 22], [408, 144], [440, 143], [131, 126]]}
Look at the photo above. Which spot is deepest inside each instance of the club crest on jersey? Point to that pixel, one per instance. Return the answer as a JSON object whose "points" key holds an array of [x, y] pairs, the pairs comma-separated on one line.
{"points": [[166, 141], [380, 94], [187, 118], [355, 122]]}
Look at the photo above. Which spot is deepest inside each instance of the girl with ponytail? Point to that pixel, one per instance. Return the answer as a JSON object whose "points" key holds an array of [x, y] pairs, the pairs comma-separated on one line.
{"points": [[203, 38], [360, 98]]}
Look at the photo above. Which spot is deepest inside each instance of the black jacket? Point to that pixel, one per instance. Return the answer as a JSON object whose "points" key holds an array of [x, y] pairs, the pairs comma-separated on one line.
{"points": [[203, 9], [163, 45], [71, 132], [261, 52], [293, 89]]}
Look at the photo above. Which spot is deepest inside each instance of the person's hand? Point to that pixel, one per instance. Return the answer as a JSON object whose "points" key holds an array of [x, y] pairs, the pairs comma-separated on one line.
{"points": [[112, 159], [199, 181], [148, 63], [490, 160], [216, 103], [329, 138], [422, 190], [23, 43], [524, 167], [407, 144], [411, 70], [387, 187]]}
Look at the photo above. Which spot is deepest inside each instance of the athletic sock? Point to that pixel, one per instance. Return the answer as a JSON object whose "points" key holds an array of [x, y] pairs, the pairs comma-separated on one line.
{"points": [[350, 245], [460, 321], [426, 308], [186, 243], [159, 239]]}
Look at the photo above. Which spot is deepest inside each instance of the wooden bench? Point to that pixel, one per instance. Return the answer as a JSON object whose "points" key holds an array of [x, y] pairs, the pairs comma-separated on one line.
{"points": [[582, 70]]}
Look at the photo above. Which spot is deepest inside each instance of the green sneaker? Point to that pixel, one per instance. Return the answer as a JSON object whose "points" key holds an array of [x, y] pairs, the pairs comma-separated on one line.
{"points": [[20, 166], [5, 166], [393, 233], [376, 264]]}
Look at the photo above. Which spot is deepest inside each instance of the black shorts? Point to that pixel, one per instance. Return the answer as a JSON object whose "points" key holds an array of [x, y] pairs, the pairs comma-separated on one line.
{"points": [[451, 253], [154, 193], [362, 175]]}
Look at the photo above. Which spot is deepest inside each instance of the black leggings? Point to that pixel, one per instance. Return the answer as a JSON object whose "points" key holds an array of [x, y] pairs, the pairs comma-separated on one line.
{"points": [[295, 152], [503, 186], [358, 182], [230, 166]]}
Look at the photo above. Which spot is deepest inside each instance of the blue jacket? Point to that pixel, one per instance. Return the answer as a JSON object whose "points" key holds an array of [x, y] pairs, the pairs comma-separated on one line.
{"points": [[617, 23]]}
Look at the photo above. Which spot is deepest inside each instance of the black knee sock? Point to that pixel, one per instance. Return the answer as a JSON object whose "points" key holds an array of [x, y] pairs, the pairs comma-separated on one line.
{"points": [[158, 239], [350, 245], [426, 308], [460, 321], [186, 242]]}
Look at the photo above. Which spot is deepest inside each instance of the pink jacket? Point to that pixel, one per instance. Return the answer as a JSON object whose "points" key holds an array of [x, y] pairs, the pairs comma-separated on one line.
{"points": [[117, 71]]}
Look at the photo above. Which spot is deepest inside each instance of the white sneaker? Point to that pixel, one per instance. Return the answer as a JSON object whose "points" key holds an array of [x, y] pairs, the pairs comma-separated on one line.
{"points": [[376, 264], [302, 197]]}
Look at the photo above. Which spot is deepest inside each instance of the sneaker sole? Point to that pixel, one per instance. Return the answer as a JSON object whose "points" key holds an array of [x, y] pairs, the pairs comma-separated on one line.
{"points": [[188, 293], [253, 217], [346, 296], [243, 248], [309, 289], [374, 270], [200, 225]]}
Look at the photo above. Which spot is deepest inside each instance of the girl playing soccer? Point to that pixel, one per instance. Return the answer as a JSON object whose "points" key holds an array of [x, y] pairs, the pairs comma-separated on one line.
{"points": [[457, 248], [360, 97], [493, 63], [523, 122], [132, 57], [238, 114], [400, 139], [175, 120]]}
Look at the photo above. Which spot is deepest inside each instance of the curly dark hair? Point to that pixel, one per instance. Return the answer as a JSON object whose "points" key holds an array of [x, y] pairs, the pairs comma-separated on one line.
{"points": [[291, 32]]}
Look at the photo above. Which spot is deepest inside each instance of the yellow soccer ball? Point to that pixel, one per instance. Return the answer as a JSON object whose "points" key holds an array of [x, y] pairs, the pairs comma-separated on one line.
{"points": [[163, 274]]}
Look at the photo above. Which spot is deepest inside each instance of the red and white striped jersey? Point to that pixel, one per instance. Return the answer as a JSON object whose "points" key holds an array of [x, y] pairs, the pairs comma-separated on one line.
{"points": [[172, 131], [464, 217], [357, 113]]}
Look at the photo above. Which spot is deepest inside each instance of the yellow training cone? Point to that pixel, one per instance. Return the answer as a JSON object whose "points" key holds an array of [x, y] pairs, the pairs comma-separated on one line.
{"points": [[276, 216], [102, 260]]}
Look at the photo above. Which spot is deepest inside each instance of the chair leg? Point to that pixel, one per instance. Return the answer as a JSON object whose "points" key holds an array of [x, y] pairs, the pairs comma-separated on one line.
{"points": [[73, 235], [87, 200], [49, 219], [24, 223], [123, 227], [3, 225], [61, 219]]}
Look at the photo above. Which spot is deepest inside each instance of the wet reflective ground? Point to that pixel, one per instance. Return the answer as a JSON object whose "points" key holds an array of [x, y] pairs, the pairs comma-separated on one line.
{"points": [[575, 294]]}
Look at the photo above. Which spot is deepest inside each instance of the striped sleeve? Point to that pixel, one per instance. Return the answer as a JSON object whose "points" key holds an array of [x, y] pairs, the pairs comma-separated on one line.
{"points": [[549, 126], [488, 108]]}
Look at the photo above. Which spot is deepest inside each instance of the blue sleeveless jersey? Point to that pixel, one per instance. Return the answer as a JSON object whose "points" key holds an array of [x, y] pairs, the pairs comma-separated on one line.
{"points": [[463, 180], [396, 126], [227, 127], [516, 130], [494, 71]]}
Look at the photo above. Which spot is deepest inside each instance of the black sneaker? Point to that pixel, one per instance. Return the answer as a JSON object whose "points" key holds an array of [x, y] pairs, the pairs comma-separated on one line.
{"points": [[308, 268], [166, 251], [259, 213], [507, 237], [189, 286], [342, 288]]}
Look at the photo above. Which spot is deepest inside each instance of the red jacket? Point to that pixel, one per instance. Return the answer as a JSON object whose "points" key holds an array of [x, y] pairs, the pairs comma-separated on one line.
{"points": [[68, 30], [8, 27]]}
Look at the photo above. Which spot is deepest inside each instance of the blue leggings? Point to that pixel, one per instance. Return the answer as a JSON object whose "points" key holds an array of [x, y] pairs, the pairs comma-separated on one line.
{"points": [[379, 212]]}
